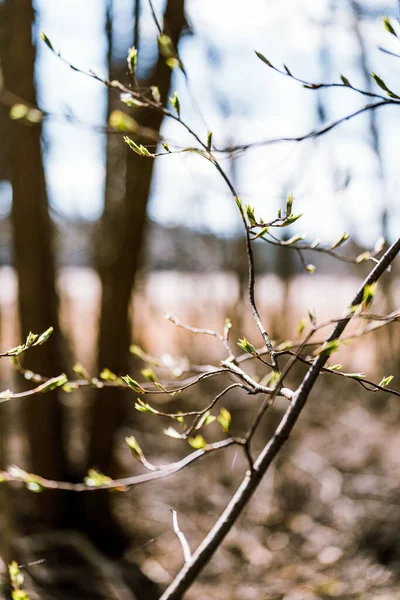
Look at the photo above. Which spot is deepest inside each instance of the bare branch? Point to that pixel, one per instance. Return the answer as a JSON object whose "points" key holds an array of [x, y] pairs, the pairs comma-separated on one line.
{"points": [[253, 477], [311, 134], [221, 338], [118, 484]]}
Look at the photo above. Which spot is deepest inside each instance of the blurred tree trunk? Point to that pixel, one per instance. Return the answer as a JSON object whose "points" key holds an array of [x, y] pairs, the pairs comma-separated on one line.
{"points": [[34, 263], [121, 234], [5, 526]]}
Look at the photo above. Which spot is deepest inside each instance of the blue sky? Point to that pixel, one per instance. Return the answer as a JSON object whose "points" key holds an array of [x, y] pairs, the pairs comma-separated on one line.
{"points": [[241, 100]]}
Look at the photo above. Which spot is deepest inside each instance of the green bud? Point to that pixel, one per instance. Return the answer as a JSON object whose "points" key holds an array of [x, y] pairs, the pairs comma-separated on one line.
{"points": [[224, 419], [262, 57], [386, 380], [197, 442], [134, 385], [245, 345], [46, 40], [132, 59], [175, 103]]}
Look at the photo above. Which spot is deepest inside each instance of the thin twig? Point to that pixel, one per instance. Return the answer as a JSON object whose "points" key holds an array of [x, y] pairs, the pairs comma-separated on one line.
{"points": [[187, 555], [312, 134], [119, 484], [197, 330]]}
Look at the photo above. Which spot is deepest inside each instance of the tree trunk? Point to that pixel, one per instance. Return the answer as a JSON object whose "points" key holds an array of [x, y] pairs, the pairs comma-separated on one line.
{"points": [[122, 229], [34, 263]]}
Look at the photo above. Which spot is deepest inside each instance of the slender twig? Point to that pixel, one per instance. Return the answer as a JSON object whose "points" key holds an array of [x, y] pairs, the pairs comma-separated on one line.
{"points": [[221, 338], [153, 12], [311, 134], [358, 377], [250, 257], [320, 85], [187, 555], [122, 484], [298, 246]]}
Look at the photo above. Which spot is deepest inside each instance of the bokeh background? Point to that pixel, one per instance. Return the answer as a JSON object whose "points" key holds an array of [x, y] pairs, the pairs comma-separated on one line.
{"points": [[100, 243]]}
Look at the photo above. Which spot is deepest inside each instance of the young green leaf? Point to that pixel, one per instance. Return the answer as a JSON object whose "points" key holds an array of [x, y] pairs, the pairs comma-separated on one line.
{"points": [[380, 82], [149, 374], [204, 420], [145, 408], [245, 345], [327, 348], [132, 145], [155, 92], [287, 70], [53, 383], [262, 57], [345, 236], [301, 327], [345, 81], [140, 150], [379, 245], [289, 204], [263, 231], [312, 316], [134, 385], [35, 487], [163, 389], [31, 339], [224, 419], [6, 395], [172, 433], [132, 59], [209, 140], [197, 442], [386, 380], [120, 121], [108, 375], [174, 100], [363, 257], [295, 238], [81, 371], [180, 420], [134, 447], [18, 111], [46, 40], [227, 327], [389, 26], [130, 100], [166, 46], [96, 478], [368, 294], [17, 581], [290, 219], [310, 268], [250, 214]]}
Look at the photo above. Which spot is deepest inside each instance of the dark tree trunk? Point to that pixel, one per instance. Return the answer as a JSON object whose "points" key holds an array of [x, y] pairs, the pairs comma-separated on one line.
{"points": [[33, 260], [122, 229]]}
